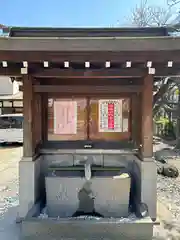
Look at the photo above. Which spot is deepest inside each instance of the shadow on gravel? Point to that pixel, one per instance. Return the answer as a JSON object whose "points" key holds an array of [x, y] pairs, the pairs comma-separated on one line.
{"points": [[9, 230], [170, 142], [157, 140], [167, 231]]}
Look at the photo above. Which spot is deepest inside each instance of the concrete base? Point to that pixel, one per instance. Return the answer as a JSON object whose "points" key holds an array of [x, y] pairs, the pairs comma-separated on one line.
{"points": [[146, 183], [32, 182], [32, 172], [30, 179], [50, 229]]}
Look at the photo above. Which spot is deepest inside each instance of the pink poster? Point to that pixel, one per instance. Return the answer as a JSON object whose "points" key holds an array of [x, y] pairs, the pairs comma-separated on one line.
{"points": [[65, 117]]}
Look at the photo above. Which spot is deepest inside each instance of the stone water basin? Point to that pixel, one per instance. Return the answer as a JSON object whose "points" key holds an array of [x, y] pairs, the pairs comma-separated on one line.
{"points": [[108, 195]]}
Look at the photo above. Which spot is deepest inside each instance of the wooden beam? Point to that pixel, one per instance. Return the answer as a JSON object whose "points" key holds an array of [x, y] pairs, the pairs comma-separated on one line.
{"points": [[85, 89], [147, 118], [83, 73], [75, 73], [91, 56], [164, 72], [11, 72], [90, 81], [28, 96], [92, 95], [103, 73], [38, 72]]}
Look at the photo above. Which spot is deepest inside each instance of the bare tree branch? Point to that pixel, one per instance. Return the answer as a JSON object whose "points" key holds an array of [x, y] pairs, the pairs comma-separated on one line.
{"points": [[170, 109], [172, 2], [141, 14], [146, 15], [160, 16], [162, 90]]}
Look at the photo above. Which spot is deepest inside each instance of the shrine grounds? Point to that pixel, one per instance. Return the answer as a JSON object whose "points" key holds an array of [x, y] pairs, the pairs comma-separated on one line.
{"points": [[168, 191]]}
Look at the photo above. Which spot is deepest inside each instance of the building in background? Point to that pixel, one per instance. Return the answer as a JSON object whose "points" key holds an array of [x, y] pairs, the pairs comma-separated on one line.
{"points": [[11, 98]]}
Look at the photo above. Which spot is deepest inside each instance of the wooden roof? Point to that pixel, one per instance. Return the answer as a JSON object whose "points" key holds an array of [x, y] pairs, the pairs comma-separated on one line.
{"points": [[115, 49], [116, 44], [86, 32], [94, 45]]}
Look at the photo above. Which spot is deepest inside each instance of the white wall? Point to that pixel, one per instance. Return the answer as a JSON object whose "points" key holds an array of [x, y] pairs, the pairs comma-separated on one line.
{"points": [[15, 87], [7, 87]]}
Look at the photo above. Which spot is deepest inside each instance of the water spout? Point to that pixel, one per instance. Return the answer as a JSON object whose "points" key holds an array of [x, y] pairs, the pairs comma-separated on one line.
{"points": [[87, 168]]}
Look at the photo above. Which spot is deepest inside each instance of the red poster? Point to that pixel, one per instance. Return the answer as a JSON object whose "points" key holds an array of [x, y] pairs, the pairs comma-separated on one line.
{"points": [[110, 115]]}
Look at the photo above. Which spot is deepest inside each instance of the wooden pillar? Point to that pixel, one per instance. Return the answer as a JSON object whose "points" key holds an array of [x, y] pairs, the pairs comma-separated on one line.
{"points": [[44, 113], [147, 118], [28, 150], [136, 119], [40, 118], [178, 121], [37, 121], [139, 120]]}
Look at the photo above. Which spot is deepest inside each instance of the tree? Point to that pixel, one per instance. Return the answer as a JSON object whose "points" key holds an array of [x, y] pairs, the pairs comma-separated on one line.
{"points": [[173, 2], [147, 15]]}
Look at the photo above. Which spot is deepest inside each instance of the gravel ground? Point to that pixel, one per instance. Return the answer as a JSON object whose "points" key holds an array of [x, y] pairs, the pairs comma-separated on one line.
{"points": [[168, 191], [9, 159]]}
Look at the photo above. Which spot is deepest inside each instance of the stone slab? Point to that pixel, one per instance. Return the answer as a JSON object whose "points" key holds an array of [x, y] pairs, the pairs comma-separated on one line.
{"points": [[48, 229]]}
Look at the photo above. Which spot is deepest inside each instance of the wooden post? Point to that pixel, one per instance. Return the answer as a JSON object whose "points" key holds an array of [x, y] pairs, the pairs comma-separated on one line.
{"points": [[28, 150], [37, 121], [139, 121], [136, 121], [44, 114], [147, 118], [178, 121], [40, 118]]}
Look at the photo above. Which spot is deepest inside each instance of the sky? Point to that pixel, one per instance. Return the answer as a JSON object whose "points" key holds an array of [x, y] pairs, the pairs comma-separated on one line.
{"points": [[67, 13]]}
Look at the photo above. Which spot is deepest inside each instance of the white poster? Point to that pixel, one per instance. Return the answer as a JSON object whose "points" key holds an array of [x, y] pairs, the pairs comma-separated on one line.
{"points": [[125, 124], [50, 102], [65, 117], [110, 115]]}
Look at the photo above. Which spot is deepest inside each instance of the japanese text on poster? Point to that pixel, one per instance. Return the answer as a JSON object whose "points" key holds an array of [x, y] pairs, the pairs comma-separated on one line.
{"points": [[65, 117], [110, 115]]}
